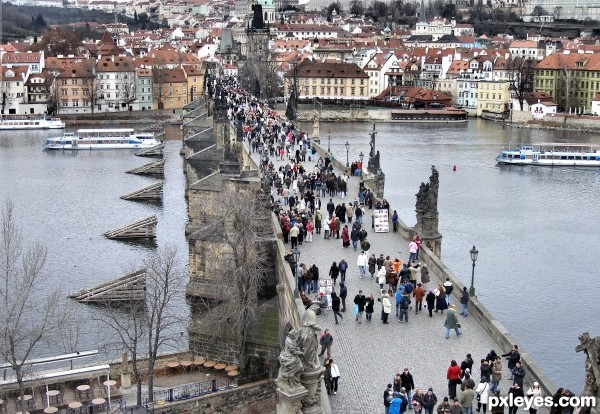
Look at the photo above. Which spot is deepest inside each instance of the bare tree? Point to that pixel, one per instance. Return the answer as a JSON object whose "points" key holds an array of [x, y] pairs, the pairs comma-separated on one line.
{"points": [[145, 329], [567, 87], [520, 77], [242, 263], [26, 320], [127, 88]]}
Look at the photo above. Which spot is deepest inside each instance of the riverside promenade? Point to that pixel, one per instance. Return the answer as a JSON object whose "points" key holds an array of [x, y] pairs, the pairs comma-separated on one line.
{"points": [[370, 354]]}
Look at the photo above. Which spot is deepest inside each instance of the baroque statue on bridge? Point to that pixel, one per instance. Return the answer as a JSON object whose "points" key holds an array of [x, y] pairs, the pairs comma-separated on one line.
{"points": [[427, 196], [591, 347], [290, 360], [308, 338]]}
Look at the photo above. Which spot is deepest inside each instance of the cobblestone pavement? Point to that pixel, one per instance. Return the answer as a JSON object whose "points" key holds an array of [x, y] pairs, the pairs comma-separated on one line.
{"points": [[369, 354]]}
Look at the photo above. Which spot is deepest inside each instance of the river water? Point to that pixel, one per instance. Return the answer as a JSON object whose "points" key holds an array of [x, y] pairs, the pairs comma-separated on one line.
{"points": [[67, 200], [537, 229]]}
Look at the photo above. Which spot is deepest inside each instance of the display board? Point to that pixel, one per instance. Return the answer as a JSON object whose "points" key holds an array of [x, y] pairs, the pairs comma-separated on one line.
{"points": [[382, 224], [326, 287]]}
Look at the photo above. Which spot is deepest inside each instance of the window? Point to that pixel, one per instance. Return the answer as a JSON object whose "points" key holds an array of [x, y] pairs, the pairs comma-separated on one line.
{"points": [[352, 90], [64, 92], [75, 92], [314, 90]]}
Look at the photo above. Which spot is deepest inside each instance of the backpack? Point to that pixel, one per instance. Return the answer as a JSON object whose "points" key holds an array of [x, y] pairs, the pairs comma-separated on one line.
{"points": [[404, 302], [343, 266], [464, 298], [408, 288]]}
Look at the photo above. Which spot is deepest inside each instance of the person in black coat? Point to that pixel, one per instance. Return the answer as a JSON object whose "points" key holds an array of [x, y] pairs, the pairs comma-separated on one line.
{"points": [[334, 271], [430, 299], [516, 391], [467, 363], [408, 383], [335, 307], [513, 357], [440, 300], [343, 295], [330, 207], [361, 301]]}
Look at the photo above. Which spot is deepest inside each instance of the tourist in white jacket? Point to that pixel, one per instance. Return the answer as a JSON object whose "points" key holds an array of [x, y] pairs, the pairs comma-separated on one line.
{"points": [[362, 261], [381, 277], [482, 393]]}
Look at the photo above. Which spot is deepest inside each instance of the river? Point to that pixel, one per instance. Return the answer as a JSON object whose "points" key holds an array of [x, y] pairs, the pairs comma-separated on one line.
{"points": [[67, 200], [537, 229]]}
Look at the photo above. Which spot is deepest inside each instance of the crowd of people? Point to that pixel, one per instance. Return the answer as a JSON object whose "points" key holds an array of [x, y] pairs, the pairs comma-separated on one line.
{"points": [[297, 193]]}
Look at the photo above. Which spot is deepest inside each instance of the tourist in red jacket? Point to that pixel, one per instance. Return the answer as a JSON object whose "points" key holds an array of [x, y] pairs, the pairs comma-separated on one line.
{"points": [[453, 377]]}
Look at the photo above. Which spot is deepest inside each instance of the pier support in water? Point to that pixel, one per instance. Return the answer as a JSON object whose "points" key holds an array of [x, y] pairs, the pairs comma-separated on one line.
{"points": [[145, 228], [153, 168], [151, 193], [155, 151], [131, 287]]}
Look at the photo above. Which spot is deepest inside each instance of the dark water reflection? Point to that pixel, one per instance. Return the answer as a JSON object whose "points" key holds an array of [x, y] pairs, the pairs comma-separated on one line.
{"points": [[67, 200], [537, 229]]}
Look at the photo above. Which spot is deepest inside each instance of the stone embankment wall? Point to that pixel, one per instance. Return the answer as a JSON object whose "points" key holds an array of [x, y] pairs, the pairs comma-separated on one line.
{"points": [[255, 398], [477, 310], [557, 122]]}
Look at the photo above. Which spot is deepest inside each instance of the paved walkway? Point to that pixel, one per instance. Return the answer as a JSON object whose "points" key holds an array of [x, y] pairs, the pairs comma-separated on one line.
{"points": [[369, 354]]}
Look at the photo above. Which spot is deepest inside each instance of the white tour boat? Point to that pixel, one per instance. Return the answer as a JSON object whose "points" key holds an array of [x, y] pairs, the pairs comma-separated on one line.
{"points": [[10, 123], [90, 139], [552, 154]]}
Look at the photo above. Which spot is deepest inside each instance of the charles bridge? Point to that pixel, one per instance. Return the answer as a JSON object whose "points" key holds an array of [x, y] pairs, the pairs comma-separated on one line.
{"points": [[369, 354]]}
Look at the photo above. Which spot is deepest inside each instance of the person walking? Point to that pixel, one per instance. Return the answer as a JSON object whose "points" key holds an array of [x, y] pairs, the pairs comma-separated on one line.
{"points": [[466, 400], [417, 401], [372, 265], [343, 295], [418, 294], [452, 322], [409, 384], [335, 307], [343, 265], [365, 245], [518, 373], [388, 396], [404, 305], [326, 342], [381, 277], [482, 393], [335, 376], [369, 307], [362, 262], [448, 290], [354, 237], [395, 220], [453, 377], [430, 299], [327, 375], [386, 307], [533, 392], [429, 401], [412, 249], [515, 391], [464, 301], [360, 301], [334, 271], [294, 231], [425, 278]]}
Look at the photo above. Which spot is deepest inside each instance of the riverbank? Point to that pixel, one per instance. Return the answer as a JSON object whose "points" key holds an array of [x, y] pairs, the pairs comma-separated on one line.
{"points": [[556, 122]]}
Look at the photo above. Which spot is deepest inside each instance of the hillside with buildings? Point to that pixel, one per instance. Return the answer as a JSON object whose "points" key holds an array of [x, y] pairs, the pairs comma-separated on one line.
{"points": [[336, 58]]}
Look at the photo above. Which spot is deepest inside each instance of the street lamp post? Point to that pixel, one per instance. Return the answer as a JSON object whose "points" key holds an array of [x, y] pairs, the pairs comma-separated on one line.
{"points": [[329, 141], [296, 254], [347, 150], [474, 252]]}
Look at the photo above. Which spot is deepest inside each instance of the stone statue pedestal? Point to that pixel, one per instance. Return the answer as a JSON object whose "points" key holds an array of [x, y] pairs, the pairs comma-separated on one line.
{"points": [[311, 380], [125, 380], [419, 226], [429, 233], [290, 399]]}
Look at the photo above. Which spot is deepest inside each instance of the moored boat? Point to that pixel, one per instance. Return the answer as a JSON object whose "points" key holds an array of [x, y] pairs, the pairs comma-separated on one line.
{"points": [[446, 115], [91, 139], [11, 123], [552, 154]]}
